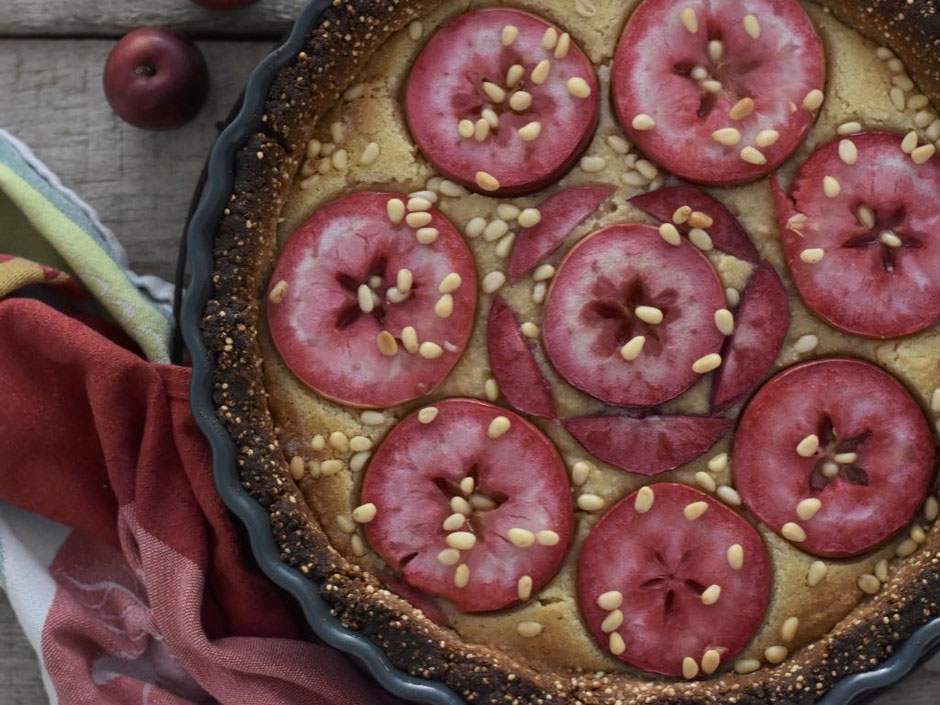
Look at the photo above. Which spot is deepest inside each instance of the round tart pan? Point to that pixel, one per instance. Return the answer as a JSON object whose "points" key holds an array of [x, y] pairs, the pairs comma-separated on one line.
{"points": [[198, 252]]}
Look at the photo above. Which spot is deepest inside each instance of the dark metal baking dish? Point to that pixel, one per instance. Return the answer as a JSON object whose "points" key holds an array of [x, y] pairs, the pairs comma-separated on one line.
{"points": [[196, 249]]}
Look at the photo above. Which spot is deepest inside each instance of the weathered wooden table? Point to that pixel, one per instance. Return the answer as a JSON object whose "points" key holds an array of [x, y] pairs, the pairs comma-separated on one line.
{"points": [[51, 56]]}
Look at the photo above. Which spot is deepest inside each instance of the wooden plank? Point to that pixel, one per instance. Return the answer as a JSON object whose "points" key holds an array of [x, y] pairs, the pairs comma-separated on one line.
{"points": [[108, 18], [139, 182]]}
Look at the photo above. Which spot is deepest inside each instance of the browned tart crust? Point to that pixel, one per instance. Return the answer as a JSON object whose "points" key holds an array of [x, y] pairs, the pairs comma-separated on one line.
{"points": [[244, 251]]}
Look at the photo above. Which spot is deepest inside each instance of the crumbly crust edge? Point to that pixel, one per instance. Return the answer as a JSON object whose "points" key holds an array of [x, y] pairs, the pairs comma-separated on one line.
{"points": [[244, 250]]}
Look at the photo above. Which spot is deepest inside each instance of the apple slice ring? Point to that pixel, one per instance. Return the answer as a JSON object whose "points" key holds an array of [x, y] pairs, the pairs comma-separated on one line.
{"points": [[835, 455], [630, 318], [862, 235], [673, 582], [373, 299], [502, 101], [718, 91], [472, 504]]}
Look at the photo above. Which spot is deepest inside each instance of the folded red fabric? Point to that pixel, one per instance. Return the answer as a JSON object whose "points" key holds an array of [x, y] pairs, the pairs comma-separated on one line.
{"points": [[155, 601]]}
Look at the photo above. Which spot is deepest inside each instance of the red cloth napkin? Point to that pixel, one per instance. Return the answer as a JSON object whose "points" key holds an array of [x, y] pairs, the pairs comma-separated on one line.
{"points": [[154, 600]]}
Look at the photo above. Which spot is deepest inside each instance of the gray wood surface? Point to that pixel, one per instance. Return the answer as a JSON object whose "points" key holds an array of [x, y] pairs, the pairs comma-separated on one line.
{"points": [[106, 18], [141, 183]]}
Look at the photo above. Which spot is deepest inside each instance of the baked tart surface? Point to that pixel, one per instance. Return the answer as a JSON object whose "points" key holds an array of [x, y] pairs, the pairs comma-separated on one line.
{"points": [[589, 351]]}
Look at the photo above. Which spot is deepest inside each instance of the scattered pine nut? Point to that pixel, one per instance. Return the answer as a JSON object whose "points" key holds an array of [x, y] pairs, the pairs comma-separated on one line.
{"points": [[543, 273], [580, 472], [766, 138], [592, 164], [578, 87], [711, 659], [670, 234], [520, 101], [848, 152], [711, 595], [746, 665], [279, 292], [831, 187], [430, 351], [493, 281], [728, 136], [689, 668], [632, 348], [461, 540], [387, 344], [547, 537], [701, 239], [616, 644], [612, 621], [735, 556], [509, 34], [462, 576], [491, 389], [808, 446], [364, 513], [776, 654], [540, 73], [409, 339], [524, 587], [729, 496], [644, 500], [529, 629], [923, 153], [643, 122], [563, 46], [521, 538], [724, 321], [752, 26], [370, 154], [868, 583], [753, 156], [448, 557], [681, 215], [741, 109], [813, 100], [418, 219], [689, 19], [808, 508], [528, 133], [706, 363], [498, 426], [529, 330], [847, 128], [649, 314], [589, 502], [529, 217], [793, 532], [718, 463], [372, 418], [297, 468], [466, 129], [695, 510], [705, 481], [610, 600], [486, 181], [813, 255]]}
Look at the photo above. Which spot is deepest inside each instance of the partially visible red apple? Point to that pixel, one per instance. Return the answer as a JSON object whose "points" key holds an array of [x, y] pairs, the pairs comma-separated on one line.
{"points": [[156, 78], [225, 4]]}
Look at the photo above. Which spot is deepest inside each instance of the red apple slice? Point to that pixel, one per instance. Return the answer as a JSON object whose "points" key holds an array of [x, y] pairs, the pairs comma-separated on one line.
{"points": [[561, 213], [513, 364], [518, 515], [647, 445], [726, 233], [348, 259], [843, 433], [761, 322], [610, 290], [682, 70], [490, 126], [674, 574], [862, 239]]}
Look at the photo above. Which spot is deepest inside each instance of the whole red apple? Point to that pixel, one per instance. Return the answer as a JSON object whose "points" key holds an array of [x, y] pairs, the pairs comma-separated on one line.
{"points": [[156, 78], [225, 4]]}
